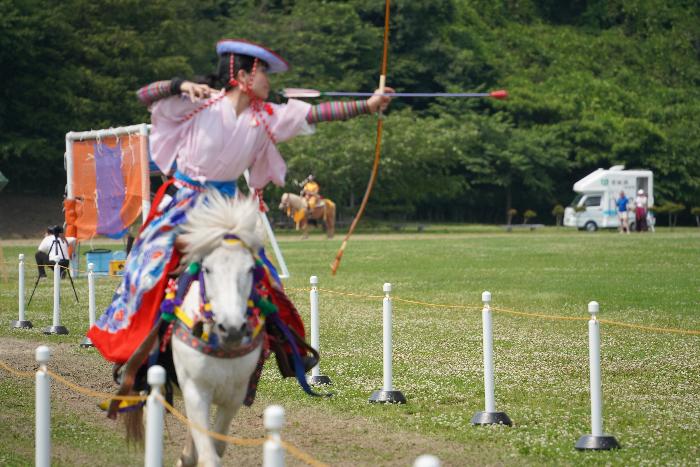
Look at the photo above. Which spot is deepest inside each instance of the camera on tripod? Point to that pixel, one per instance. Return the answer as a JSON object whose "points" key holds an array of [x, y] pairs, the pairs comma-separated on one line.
{"points": [[52, 251], [55, 230]]}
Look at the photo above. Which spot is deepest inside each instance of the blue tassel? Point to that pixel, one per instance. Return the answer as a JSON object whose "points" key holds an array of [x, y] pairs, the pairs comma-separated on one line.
{"points": [[296, 357]]}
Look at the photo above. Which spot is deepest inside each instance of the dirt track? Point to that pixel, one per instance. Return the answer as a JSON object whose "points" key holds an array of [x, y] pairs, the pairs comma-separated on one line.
{"points": [[314, 430]]}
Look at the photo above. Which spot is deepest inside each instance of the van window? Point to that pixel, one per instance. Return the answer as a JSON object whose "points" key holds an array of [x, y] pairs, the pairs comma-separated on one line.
{"points": [[593, 201], [576, 200], [643, 184]]}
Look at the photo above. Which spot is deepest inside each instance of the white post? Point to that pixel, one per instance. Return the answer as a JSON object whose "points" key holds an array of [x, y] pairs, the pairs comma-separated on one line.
{"points": [[489, 416], [427, 460], [315, 328], [594, 361], [387, 394], [91, 304], [21, 288], [273, 451], [68, 159], [56, 328], [316, 377], [597, 440], [21, 322], [154, 418], [388, 371], [145, 173], [488, 353], [91, 293], [43, 409], [56, 294]]}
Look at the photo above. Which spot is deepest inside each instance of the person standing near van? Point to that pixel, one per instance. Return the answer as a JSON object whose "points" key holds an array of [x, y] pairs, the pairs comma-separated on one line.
{"points": [[622, 215], [640, 207]]}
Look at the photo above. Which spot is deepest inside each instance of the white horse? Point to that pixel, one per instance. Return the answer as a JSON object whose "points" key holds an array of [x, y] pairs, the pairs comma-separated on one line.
{"points": [[222, 235]]}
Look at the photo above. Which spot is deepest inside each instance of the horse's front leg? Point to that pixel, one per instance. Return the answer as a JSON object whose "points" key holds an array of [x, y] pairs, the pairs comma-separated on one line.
{"points": [[224, 415], [197, 403], [188, 458]]}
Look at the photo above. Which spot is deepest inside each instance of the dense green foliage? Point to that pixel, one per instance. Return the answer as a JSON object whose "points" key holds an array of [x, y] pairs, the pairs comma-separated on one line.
{"points": [[592, 84]]}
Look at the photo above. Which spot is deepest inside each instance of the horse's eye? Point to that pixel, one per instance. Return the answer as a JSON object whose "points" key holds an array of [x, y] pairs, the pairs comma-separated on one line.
{"points": [[207, 270]]}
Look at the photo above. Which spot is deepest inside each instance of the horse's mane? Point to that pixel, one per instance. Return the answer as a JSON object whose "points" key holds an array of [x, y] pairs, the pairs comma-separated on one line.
{"points": [[215, 215]]}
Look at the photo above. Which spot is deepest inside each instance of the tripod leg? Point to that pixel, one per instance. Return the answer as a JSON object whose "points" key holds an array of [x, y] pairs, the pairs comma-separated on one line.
{"points": [[32, 295], [73, 285]]}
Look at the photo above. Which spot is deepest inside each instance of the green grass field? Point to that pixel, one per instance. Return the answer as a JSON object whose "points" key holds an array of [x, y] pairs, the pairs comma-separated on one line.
{"points": [[651, 380]]}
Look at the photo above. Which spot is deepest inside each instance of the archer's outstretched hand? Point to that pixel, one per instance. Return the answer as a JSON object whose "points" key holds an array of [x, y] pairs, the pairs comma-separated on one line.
{"points": [[195, 91], [379, 102]]}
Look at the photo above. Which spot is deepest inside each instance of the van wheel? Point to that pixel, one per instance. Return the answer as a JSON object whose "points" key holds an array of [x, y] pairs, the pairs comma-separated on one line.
{"points": [[590, 226]]}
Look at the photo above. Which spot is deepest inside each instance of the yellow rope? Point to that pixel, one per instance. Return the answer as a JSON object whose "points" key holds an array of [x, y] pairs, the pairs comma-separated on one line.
{"points": [[436, 305], [539, 315], [294, 451], [90, 392], [302, 456], [350, 294], [21, 374], [229, 439], [335, 292], [691, 332]]}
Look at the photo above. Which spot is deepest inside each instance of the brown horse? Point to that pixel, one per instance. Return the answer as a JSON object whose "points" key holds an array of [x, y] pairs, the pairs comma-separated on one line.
{"points": [[296, 207]]}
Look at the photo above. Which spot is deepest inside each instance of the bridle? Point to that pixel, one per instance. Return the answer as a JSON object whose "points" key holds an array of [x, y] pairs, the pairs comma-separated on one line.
{"points": [[196, 332]]}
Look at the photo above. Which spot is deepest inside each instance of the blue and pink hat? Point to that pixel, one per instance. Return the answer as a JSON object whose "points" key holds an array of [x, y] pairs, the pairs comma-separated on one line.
{"points": [[275, 63]]}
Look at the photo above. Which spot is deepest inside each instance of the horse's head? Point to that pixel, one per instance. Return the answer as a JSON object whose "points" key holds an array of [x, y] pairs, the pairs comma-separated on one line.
{"points": [[284, 202], [222, 234]]}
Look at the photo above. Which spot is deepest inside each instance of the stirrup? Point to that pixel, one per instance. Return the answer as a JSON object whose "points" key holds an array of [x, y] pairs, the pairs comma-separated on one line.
{"points": [[124, 406]]}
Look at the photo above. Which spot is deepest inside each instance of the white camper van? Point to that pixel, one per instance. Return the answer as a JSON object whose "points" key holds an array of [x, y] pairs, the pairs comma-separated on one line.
{"points": [[594, 206]]}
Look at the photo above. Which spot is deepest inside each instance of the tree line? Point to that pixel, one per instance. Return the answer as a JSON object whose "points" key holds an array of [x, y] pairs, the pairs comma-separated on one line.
{"points": [[592, 84]]}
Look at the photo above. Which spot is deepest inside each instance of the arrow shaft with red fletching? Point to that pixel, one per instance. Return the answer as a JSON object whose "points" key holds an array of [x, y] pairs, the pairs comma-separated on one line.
{"points": [[309, 93]]}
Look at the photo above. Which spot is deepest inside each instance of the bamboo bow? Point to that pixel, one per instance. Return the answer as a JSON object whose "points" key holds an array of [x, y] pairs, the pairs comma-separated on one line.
{"points": [[377, 147]]}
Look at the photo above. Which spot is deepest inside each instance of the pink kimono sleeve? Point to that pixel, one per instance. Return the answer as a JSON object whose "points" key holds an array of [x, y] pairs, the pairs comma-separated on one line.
{"points": [[287, 121], [268, 167], [169, 128]]}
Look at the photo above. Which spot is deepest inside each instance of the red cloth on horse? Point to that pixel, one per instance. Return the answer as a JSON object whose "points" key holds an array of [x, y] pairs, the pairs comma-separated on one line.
{"points": [[118, 347]]}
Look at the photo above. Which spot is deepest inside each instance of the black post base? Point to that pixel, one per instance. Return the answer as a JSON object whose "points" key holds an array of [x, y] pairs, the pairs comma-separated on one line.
{"points": [[387, 397], [86, 343], [21, 324], [491, 418], [319, 380], [56, 330], [597, 443]]}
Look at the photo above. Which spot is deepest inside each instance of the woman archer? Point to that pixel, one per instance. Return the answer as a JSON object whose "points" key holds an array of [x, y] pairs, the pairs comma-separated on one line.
{"points": [[211, 137]]}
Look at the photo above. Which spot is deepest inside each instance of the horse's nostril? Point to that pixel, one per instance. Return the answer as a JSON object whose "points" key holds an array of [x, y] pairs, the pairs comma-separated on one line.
{"points": [[244, 327]]}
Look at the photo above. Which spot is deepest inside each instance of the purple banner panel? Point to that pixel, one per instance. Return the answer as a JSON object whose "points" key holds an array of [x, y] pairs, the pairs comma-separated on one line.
{"points": [[110, 190]]}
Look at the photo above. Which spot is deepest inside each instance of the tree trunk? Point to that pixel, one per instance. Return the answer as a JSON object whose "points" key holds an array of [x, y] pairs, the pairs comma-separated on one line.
{"points": [[509, 204]]}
